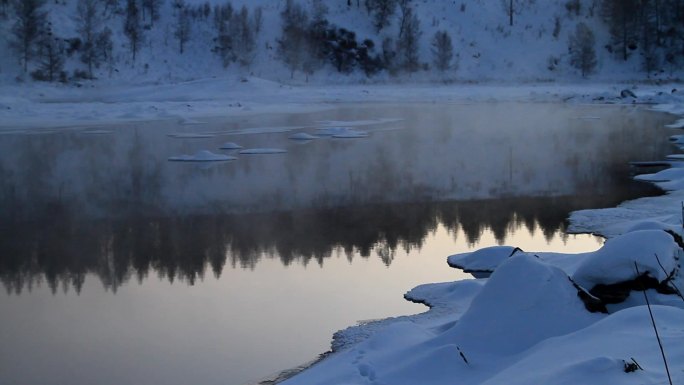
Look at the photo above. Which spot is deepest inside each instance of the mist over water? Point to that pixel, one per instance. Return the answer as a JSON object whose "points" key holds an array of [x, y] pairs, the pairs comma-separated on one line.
{"points": [[98, 215]]}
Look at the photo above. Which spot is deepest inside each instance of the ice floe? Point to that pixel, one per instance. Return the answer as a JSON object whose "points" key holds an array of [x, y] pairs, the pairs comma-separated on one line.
{"points": [[190, 135], [230, 146], [302, 136], [341, 132], [202, 156]]}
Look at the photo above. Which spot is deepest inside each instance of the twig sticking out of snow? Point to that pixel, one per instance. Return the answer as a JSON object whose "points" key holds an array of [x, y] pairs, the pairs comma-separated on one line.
{"points": [[660, 344], [462, 355], [674, 287]]}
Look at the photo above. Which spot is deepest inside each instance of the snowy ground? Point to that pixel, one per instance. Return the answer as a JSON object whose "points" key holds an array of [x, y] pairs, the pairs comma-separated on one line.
{"points": [[527, 323]]}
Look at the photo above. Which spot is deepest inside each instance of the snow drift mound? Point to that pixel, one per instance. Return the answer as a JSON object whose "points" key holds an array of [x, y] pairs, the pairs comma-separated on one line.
{"points": [[525, 301]]}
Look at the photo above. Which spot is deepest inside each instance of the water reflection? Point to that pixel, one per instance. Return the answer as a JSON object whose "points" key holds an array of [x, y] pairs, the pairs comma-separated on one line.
{"points": [[111, 205]]}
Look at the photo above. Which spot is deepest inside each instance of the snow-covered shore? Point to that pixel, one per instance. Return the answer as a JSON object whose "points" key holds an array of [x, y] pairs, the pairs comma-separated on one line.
{"points": [[40, 105]]}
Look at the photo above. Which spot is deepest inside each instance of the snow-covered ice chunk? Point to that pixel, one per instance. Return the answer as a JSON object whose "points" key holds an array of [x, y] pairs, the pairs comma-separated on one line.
{"points": [[262, 151], [483, 260], [302, 136], [202, 156], [230, 146], [614, 262]]}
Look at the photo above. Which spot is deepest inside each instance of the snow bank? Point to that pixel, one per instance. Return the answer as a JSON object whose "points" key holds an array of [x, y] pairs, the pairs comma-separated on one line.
{"points": [[484, 260], [614, 262], [597, 354], [524, 302]]}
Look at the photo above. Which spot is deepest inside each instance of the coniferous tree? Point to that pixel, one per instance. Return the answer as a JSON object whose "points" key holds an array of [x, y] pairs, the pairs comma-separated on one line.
{"points": [[442, 51], [132, 27], [582, 49], [27, 28]]}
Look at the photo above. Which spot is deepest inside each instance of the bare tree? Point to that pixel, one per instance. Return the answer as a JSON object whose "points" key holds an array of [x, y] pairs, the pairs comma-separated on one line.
{"points": [[4, 5], [51, 57], [182, 31], [105, 48], [224, 39], [27, 28], [132, 27], [244, 37], [582, 49], [258, 16], [382, 10], [152, 7], [409, 41], [512, 7], [292, 46], [442, 51], [87, 22]]}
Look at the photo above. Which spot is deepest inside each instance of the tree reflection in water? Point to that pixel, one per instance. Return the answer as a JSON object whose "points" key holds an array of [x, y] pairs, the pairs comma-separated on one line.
{"points": [[61, 250]]}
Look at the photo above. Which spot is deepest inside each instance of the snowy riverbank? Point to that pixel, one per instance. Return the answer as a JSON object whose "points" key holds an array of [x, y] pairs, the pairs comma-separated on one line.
{"points": [[40, 105]]}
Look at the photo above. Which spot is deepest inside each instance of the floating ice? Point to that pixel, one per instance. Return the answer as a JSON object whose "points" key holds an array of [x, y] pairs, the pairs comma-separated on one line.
{"points": [[230, 146], [262, 151], [182, 135], [351, 134], [355, 123], [96, 132], [202, 156], [330, 131], [302, 136], [341, 132]]}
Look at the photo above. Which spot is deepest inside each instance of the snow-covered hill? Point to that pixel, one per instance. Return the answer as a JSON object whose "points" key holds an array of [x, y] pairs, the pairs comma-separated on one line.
{"points": [[486, 47]]}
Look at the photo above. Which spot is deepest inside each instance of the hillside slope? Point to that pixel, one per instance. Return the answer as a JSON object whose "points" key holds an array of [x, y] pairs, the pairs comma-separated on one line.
{"points": [[486, 47]]}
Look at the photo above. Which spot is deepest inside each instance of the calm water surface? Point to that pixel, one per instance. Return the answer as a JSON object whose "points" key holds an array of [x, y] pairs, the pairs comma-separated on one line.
{"points": [[121, 267]]}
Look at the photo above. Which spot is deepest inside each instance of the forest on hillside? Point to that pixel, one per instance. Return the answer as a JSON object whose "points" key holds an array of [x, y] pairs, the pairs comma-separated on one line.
{"points": [[102, 32]]}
